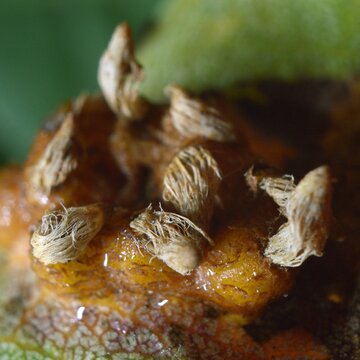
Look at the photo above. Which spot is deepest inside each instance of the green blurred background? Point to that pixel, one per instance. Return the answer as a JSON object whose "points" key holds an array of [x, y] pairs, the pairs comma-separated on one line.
{"points": [[49, 53], [50, 49]]}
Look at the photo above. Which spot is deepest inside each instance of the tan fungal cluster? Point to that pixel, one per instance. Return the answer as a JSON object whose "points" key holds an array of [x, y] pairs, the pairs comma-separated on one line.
{"points": [[63, 235], [172, 238], [192, 178], [307, 209], [58, 160], [191, 184], [120, 76], [192, 118]]}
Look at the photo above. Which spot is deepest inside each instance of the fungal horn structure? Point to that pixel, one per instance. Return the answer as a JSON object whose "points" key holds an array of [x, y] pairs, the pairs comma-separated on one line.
{"points": [[191, 184], [307, 208], [119, 76], [63, 235], [58, 160], [192, 118], [172, 238]]}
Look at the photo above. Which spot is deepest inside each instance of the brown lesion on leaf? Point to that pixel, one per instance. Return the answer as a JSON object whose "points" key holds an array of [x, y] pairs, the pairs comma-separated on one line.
{"points": [[190, 156]]}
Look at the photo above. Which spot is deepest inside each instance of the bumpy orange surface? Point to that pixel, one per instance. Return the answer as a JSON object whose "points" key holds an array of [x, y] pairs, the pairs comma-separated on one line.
{"points": [[116, 278]]}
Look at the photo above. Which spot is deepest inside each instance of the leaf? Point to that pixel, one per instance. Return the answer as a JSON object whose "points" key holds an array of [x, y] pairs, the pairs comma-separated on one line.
{"points": [[211, 44]]}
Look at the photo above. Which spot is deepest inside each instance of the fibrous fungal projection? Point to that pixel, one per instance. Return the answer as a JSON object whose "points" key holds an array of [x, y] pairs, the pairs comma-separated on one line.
{"points": [[191, 184], [192, 118], [58, 160], [308, 212], [120, 75], [63, 235], [171, 237]]}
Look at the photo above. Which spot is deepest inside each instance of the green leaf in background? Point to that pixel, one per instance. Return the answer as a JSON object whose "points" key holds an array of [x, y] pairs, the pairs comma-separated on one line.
{"points": [[206, 44], [49, 53]]}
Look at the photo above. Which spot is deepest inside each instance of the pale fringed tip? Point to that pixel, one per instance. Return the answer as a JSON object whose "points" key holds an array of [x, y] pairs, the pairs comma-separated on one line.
{"points": [[191, 118], [170, 237], [57, 162], [191, 184], [308, 210], [120, 76], [279, 188], [63, 235]]}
